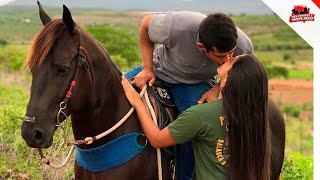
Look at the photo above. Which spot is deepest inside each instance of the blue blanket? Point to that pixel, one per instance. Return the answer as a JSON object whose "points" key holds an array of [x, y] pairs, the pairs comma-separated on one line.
{"points": [[113, 154]]}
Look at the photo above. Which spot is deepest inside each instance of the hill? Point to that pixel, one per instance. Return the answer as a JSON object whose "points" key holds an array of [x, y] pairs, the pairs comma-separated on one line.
{"points": [[234, 7]]}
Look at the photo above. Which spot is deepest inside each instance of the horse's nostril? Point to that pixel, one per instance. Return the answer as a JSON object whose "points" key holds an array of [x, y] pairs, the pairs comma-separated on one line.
{"points": [[38, 136]]}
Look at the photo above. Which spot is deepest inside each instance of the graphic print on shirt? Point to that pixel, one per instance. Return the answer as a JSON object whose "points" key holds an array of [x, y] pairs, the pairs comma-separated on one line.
{"points": [[222, 146]]}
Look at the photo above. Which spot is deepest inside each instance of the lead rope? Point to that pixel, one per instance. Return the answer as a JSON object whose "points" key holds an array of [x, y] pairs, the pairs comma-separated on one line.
{"points": [[89, 140]]}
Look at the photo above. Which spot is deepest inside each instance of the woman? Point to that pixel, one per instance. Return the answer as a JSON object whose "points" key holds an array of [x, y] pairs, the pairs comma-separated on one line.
{"points": [[230, 136]]}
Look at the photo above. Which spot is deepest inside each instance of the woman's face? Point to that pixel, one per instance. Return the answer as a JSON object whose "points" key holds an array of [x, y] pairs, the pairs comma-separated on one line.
{"points": [[224, 69]]}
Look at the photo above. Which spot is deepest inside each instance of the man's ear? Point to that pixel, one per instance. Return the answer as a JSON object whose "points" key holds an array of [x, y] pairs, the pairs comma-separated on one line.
{"points": [[201, 47]]}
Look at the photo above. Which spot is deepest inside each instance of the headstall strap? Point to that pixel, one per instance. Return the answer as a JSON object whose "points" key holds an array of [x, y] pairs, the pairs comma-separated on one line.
{"points": [[82, 60], [69, 93]]}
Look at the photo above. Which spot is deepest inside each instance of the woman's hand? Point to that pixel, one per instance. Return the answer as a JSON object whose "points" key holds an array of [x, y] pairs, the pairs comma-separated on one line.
{"points": [[132, 95]]}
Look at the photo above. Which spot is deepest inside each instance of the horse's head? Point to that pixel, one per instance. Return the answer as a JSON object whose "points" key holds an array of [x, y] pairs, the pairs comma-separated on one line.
{"points": [[56, 58]]}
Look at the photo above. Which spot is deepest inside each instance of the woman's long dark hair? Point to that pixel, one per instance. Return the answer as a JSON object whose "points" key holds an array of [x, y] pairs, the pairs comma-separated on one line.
{"points": [[245, 99]]}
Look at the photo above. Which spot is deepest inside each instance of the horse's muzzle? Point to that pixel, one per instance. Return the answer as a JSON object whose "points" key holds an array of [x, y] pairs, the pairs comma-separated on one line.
{"points": [[34, 136]]}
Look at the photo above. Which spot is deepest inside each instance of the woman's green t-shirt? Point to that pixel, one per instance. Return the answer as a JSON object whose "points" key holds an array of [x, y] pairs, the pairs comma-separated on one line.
{"points": [[205, 126]]}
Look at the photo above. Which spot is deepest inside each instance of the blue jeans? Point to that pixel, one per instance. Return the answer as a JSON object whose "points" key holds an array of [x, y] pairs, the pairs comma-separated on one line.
{"points": [[184, 96]]}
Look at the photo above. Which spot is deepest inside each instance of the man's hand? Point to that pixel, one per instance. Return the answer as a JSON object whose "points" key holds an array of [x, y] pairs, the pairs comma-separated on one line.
{"points": [[132, 95], [143, 77], [210, 95]]}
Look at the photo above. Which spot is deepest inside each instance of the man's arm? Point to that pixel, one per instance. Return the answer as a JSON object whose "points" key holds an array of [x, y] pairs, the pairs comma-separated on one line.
{"points": [[146, 46]]}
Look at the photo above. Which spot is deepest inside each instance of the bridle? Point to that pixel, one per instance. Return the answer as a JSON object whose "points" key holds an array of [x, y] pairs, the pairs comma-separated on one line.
{"points": [[82, 62], [61, 115]]}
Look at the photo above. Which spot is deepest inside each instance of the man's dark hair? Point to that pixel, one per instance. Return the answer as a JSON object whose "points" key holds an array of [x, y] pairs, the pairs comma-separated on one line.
{"points": [[219, 31]]}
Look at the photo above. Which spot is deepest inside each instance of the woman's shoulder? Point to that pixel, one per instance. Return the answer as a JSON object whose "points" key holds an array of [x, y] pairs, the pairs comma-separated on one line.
{"points": [[216, 104]]}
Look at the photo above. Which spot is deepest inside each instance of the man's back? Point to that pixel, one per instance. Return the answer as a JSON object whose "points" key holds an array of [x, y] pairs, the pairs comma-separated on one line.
{"points": [[176, 58]]}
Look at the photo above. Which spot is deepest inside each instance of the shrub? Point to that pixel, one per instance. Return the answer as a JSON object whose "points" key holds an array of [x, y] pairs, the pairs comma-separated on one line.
{"points": [[3, 42], [120, 62], [291, 110], [277, 71], [118, 42], [12, 58], [297, 167]]}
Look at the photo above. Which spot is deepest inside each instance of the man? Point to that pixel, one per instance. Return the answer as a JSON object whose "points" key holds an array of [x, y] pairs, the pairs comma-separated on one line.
{"points": [[190, 47]]}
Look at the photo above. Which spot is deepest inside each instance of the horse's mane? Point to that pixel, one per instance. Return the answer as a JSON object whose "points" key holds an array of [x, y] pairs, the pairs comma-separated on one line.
{"points": [[43, 42]]}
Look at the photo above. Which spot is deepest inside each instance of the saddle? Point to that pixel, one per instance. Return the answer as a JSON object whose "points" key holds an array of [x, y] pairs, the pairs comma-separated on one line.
{"points": [[164, 110]]}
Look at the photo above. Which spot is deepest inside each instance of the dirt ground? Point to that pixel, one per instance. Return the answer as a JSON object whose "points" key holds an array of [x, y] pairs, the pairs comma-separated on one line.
{"points": [[295, 92]]}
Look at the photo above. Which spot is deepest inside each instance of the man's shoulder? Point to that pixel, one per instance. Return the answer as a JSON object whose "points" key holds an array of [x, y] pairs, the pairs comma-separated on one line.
{"points": [[189, 16]]}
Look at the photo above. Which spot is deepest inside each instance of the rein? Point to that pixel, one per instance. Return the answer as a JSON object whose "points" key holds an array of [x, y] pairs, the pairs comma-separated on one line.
{"points": [[89, 140]]}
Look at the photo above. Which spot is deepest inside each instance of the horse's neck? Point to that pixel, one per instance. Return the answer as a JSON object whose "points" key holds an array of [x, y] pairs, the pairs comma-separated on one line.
{"points": [[107, 106]]}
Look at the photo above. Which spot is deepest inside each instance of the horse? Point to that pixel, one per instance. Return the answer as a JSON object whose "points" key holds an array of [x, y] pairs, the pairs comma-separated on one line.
{"points": [[73, 73], [97, 103]]}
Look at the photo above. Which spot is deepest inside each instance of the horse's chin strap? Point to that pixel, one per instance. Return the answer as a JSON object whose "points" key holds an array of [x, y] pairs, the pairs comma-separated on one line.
{"points": [[89, 140]]}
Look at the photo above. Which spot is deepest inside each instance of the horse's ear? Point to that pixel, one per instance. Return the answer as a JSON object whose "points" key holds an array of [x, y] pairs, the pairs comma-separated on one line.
{"points": [[43, 15], [67, 19]]}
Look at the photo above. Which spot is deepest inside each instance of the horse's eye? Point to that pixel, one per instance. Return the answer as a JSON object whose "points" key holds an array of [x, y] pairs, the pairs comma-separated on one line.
{"points": [[62, 70]]}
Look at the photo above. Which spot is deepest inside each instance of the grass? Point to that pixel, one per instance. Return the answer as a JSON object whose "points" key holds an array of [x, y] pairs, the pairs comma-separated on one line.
{"points": [[299, 129], [299, 136], [17, 160], [301, 74], [286, 63]]}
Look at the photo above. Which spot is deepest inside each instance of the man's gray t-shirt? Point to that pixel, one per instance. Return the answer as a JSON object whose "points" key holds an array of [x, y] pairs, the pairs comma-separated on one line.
{"points": [[176, 59]]}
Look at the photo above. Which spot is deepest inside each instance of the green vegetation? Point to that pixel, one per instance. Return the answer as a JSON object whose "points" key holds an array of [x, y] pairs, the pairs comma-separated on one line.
{"points": [[17, 160], [278, 40], [12, 108], [3, 42], [13, 57], [285, 63], [297, 167], [300, 74], [121, 44], [299, 129]]}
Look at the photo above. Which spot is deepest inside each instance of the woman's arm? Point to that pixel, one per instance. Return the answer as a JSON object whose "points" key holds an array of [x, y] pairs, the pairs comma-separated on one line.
{"points": [[157, 138]]}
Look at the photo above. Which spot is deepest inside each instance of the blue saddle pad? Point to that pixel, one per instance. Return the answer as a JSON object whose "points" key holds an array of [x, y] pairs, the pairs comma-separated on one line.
{"points": [[113, 154]]}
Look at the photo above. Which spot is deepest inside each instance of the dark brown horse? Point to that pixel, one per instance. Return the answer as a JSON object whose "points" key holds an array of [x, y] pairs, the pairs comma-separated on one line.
{"points": [[97, 101], [62, 53]]}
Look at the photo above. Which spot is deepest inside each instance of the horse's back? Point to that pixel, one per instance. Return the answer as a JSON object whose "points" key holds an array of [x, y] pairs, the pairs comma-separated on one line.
{"points": [[277, 127]]}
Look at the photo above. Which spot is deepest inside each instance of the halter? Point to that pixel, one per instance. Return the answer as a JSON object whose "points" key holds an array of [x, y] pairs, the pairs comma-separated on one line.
{"points": [[82, 62]]}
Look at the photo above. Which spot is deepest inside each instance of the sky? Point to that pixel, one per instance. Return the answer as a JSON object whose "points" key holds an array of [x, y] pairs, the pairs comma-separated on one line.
{"points": [[229, 6], [3, 2]]}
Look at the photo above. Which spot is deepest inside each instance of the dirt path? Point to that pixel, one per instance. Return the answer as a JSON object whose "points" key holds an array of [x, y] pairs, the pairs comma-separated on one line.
{"points": [[291, 91]]}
